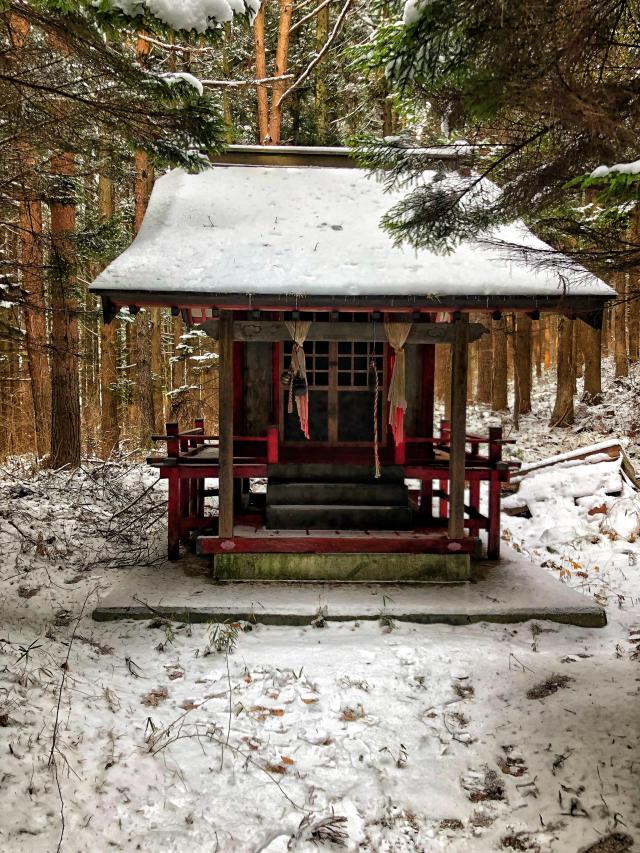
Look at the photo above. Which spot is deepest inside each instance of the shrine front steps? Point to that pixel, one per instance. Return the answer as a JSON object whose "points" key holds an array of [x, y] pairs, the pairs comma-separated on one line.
{"points": [[338, 517], [338, 493], [312, 472], [383, 567], [336, 497]]}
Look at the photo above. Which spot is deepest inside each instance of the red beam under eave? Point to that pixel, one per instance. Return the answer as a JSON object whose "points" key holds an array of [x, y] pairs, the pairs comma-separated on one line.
{"points": [[335, 545]]}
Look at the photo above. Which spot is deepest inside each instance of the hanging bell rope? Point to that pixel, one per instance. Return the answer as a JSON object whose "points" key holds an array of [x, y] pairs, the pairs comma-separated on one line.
{"points": [[373, 367], [298, 385], [397, 334]]}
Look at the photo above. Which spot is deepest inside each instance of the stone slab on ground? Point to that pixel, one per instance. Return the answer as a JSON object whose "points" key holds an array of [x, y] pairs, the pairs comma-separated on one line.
{"points": [[509, 590]]}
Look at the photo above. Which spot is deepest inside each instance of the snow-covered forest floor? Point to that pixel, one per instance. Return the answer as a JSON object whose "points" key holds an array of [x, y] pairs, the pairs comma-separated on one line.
{"points": [[383, 737]]}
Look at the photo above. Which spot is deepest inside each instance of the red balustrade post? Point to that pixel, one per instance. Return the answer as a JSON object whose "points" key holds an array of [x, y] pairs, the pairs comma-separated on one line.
{"points": [[495, 460], [173, 502]]}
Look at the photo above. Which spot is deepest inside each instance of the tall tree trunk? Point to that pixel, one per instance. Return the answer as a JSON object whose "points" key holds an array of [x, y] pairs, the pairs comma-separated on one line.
{"points": [[633, 295], [443, 377], [109, 422], [592, 350], [35, 323], [620, 327], [485, 369], [282, 58], [472, 370], [522, 363], [65, 390], [546, 342], [563, 414], [143, 323], [499, 401], [261, 72], [321, 93], [156, 368], [145, 401], [536, 346], [32, 269], [226, 98]]}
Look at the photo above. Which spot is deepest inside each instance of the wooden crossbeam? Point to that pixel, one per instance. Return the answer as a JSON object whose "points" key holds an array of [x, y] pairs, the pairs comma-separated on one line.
{"points": [[276, 330]]}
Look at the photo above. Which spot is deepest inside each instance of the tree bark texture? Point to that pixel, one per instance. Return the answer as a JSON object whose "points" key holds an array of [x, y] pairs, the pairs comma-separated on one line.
{"points": [[522, 364], [261, 72], [35, 322], [592, 350], [109, 422], [620, 327], [282, 58], [563, 414], [499, 400], [65, 391]]}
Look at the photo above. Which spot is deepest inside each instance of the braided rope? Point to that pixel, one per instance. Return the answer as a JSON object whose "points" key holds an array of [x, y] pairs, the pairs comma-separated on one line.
{"points": [[376, 397]]}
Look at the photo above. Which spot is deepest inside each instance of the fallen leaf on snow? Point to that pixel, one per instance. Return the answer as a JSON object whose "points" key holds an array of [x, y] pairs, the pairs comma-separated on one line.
{"points": [[154, 697]]}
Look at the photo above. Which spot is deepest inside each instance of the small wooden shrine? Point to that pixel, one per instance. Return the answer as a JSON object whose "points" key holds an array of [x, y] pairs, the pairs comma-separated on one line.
{"points": [[327, 336]]}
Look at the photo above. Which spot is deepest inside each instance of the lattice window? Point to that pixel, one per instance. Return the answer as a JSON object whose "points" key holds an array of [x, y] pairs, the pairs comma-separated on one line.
{"points": [[316, 359], [353, 362]]}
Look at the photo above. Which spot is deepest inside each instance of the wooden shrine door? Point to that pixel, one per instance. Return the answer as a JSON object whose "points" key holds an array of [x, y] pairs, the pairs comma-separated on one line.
{"points": [[341, 393]]}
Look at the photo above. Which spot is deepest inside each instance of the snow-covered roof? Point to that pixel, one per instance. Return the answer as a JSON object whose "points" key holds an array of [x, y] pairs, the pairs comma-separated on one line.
{"points": [[309, 232]]}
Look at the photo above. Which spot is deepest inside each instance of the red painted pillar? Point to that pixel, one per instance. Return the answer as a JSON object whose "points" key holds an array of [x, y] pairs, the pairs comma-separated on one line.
{"points": [[443, 505], [495, 460], [173, 503], [199, 507]]}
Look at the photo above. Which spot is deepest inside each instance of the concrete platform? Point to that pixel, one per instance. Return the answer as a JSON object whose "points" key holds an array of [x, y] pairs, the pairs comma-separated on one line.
{"points": [[511, 590]]}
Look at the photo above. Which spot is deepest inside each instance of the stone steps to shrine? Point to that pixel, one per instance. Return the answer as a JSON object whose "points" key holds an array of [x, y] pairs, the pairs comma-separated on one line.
{"points": [[348, 494]]}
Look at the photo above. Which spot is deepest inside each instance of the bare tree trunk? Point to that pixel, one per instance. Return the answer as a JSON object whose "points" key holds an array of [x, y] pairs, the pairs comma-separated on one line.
{"points": [[261, 73], [563, 414], [156, 368], [606, 331], [499, 400], [109, 422], [145, 380], [143, 321], [65, 390], [443, 377], [592, 349], [282, 58], [32, 269], [633, 295], [536, 346], [485, 369], [226, 98], [522, 363], [620, 327], [321, 93], [472, 370], [35, 323]]}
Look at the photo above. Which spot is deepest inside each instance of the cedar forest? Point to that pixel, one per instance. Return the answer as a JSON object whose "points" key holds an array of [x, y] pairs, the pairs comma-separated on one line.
{"points": [[91, 111]]}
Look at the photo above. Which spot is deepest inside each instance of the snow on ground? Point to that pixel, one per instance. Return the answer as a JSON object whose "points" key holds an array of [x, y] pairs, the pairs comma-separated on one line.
{"points": [[383, 737]]}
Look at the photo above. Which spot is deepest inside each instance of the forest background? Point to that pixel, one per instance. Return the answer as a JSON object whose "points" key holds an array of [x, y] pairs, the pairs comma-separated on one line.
{"points": [[95, 99]]}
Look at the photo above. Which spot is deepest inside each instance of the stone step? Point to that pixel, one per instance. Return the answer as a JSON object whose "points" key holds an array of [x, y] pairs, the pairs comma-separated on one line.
{"points": [[334, 494], [327, 473], [325, 517], [343, 567]]}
